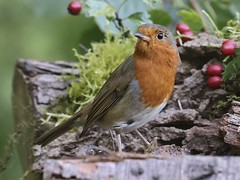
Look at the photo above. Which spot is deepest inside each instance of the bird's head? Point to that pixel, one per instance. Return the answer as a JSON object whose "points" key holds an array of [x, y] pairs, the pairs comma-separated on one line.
{"points": [[154, 39]]}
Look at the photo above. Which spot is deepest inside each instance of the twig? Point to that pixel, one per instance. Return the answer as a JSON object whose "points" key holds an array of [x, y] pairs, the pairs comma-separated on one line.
{"points": [[119, 21], [116, 25], [119, 25]]}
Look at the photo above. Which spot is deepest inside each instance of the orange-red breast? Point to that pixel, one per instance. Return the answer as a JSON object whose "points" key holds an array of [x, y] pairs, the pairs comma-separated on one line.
{"points": [[135, 92]]}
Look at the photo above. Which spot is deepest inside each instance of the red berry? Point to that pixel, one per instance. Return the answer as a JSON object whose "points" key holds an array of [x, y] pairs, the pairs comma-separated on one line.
{"points": [[215, 70], [74, 7], [182, 28], [228, 49], [230, 41], [214, 82], [187, 33]]}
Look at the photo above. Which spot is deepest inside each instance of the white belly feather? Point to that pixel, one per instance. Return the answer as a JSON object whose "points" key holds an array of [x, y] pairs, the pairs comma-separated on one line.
{"points": [[140, 118]]}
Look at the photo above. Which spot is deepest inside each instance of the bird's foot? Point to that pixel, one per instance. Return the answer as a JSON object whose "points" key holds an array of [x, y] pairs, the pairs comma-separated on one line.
{"points": [[142, 138], [152, 146]]}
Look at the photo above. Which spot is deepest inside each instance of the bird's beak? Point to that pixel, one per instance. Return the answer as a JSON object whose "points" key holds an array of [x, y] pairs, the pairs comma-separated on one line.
{"points": [[142, 37]]}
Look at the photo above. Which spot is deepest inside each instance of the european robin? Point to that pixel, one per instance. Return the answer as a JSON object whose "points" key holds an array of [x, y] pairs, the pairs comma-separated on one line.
{"points": [[135, 92]]}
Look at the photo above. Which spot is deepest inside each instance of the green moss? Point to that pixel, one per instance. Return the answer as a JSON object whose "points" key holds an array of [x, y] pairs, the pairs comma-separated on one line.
{"points": [[97, 64], [95, 67], [231, 30], [224, 105]]}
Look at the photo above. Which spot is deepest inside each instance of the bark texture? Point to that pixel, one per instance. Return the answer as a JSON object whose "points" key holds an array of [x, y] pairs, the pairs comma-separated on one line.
{"points": [[187, 126]]}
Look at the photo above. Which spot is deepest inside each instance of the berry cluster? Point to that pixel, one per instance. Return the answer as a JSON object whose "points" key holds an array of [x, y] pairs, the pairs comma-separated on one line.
{"points": [[74, 7], [185, 30], [214, 71], [215, 79]]}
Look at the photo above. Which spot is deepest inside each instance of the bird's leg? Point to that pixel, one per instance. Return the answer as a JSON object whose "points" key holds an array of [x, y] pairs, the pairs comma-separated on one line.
{"points": [[118, 135], [113, 143], [143, 138]]}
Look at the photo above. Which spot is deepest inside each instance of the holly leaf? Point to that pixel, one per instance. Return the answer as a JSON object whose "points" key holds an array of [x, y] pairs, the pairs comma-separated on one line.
{"points": [[159, 16], [191, 18]]}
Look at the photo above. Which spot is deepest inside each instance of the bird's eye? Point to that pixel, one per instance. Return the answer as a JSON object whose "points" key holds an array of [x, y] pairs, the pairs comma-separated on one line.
{"points": [[160, 35]]}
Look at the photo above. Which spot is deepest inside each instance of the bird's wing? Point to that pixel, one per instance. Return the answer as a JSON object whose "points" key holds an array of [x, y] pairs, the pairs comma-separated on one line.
{"points": [[111, 92]]}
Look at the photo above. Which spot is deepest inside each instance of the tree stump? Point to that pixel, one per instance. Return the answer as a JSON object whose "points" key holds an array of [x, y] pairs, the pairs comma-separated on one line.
{"points": [[183, 130], [36, 86], [144, 167]]}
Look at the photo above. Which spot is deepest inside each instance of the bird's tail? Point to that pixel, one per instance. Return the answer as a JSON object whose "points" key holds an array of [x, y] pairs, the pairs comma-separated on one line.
{"points": [[74, 121]]}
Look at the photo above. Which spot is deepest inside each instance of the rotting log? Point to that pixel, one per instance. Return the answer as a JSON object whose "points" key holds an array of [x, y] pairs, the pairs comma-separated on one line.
{"points": [[36, 86], [144, 167], [231, 125], [175, 133]]}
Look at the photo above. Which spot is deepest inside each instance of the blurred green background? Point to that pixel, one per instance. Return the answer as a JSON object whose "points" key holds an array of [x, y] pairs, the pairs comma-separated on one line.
{"points": [[41, 30]]}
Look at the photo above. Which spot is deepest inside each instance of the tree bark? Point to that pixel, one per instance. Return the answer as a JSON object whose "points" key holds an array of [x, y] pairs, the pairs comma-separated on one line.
{"points": [[144, 167], [183, 128], [36, 86]]}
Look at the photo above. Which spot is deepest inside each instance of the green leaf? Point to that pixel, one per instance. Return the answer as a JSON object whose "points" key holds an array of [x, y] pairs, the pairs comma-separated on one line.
{"points": [[159, 16], [96, 8], [191, 18], [137, 17], [124, 10], [223, 10], [232, 69], [150, 3]]}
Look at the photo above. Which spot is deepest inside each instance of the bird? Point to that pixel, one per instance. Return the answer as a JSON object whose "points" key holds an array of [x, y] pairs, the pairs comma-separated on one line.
{"points": [[135, 92]]}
